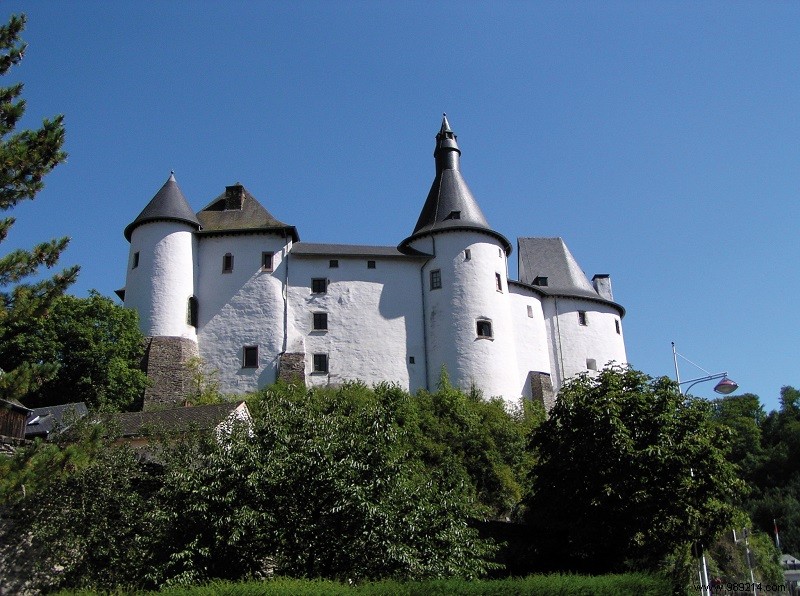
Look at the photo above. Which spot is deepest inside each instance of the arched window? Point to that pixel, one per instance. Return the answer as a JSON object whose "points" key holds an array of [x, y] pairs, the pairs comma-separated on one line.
{"points": [[191, 311]]}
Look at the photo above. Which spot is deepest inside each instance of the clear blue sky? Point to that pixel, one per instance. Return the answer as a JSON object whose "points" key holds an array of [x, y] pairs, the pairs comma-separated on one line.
{"points": [[660, 140]]}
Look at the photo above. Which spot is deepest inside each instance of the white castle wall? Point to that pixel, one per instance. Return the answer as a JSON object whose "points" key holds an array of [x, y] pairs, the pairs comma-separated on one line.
{"points": [[374, 319], [242, 308], [571, 344], [469, 293], [530, 335], [160, 286]]}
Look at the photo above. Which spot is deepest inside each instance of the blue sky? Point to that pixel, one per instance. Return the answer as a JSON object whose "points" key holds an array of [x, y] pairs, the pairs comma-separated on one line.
{"points": [[660, 140]]}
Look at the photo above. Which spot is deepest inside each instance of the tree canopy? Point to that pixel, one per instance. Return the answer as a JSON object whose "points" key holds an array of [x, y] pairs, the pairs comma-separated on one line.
{"points": [[95, 347], [627, 471], [26, 157]]}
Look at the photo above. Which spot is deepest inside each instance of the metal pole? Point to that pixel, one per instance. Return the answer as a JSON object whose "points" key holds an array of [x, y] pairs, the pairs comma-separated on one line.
{"points": [[677, 374]]}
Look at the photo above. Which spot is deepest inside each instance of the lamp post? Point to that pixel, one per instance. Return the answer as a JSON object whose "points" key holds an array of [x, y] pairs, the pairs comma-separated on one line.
{"points": [[725, 387]]}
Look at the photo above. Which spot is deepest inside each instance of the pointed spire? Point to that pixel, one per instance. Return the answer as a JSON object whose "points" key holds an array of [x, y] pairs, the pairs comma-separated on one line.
{"points": [[450, 203], [169, 204]]}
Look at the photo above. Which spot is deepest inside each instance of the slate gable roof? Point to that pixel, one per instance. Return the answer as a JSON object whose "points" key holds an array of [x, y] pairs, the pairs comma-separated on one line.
{"points": [[223, 216], [550, 258], [311, 249], [175, 420], [43, 421], [169, 204]]}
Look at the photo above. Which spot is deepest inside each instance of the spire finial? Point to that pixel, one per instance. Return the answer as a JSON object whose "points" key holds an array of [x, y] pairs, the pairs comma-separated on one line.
{"points": [[172, 175], [445, 124]]}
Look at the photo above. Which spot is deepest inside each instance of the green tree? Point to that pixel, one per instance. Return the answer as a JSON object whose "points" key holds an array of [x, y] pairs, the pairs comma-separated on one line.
{"points": [[744, 416], [25, 158], [95, 346], [627, 472]]}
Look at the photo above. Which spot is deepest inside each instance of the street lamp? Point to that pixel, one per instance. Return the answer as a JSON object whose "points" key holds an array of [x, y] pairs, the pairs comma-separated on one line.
{"points": [[725, 387]]}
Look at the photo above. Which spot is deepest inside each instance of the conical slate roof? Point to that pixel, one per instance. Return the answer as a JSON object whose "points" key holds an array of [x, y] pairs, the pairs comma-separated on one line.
{"points": [[450, 203], [169, 204]]}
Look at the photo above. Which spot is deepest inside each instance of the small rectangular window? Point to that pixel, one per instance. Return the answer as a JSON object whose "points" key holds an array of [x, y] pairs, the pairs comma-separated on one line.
{"points": [[530, 311], [250, 357], [191, 311], [266, 261], [135, 260], [467, 254], [320, 363], [484, 327], [370, 264], [333, 263], [227, 263], [591, 364], [411, 360], [541, 280], [436, 279], [319, 285], [320, 320], [582, 320], [616, 324], [498, 282]]}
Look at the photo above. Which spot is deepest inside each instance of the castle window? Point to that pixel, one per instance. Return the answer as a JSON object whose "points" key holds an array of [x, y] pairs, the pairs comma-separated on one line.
{"points": [[250, 357], [484, 328], [370, 264], [498, 282], [319, 285], [582, 320], [540, 280], [467, 254], [591, 364], [530, 311], [616, 324], [320, 321], [333, 263], [320, 363], [436, 279], [227, 263], [454, 215], [411, 360], [266, 261], [135, 260], [191, 311]]}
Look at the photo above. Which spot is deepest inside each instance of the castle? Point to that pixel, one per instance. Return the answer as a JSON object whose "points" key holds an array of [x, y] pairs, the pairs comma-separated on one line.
{"points": [[237, 287]]}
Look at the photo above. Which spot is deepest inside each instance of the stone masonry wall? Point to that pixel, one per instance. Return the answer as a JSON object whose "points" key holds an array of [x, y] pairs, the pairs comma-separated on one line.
{"points": [[165, 364], [292, 368]]}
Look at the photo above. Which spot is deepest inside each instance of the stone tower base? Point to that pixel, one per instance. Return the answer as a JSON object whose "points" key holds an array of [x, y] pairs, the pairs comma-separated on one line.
{"points": [[165, 360]]}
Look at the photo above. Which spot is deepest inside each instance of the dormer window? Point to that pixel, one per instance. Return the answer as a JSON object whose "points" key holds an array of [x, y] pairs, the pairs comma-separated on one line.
{"points": [[541, 280], [453, 215]]}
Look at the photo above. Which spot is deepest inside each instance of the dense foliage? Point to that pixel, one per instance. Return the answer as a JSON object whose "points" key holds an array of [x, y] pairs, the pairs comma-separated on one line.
{"points": [[767, 450], [95, 346], [25, 158], [347, 483], [628, 471]]}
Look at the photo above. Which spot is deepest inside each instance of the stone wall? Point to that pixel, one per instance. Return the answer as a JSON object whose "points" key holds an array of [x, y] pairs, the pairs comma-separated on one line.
{"points": [[292, 368], [165, 364], [542, 390]]}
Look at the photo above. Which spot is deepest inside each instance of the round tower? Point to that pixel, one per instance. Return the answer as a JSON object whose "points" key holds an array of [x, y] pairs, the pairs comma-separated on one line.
{"points": [[466, 301], [160, 280]]}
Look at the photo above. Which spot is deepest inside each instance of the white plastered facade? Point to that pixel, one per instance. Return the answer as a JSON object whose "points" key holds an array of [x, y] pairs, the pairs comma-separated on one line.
{"points": [[439, 300]]}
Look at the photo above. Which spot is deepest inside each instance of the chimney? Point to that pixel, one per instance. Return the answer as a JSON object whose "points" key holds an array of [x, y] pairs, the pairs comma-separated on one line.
{"points": [[602, 285], [234, 197]]}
